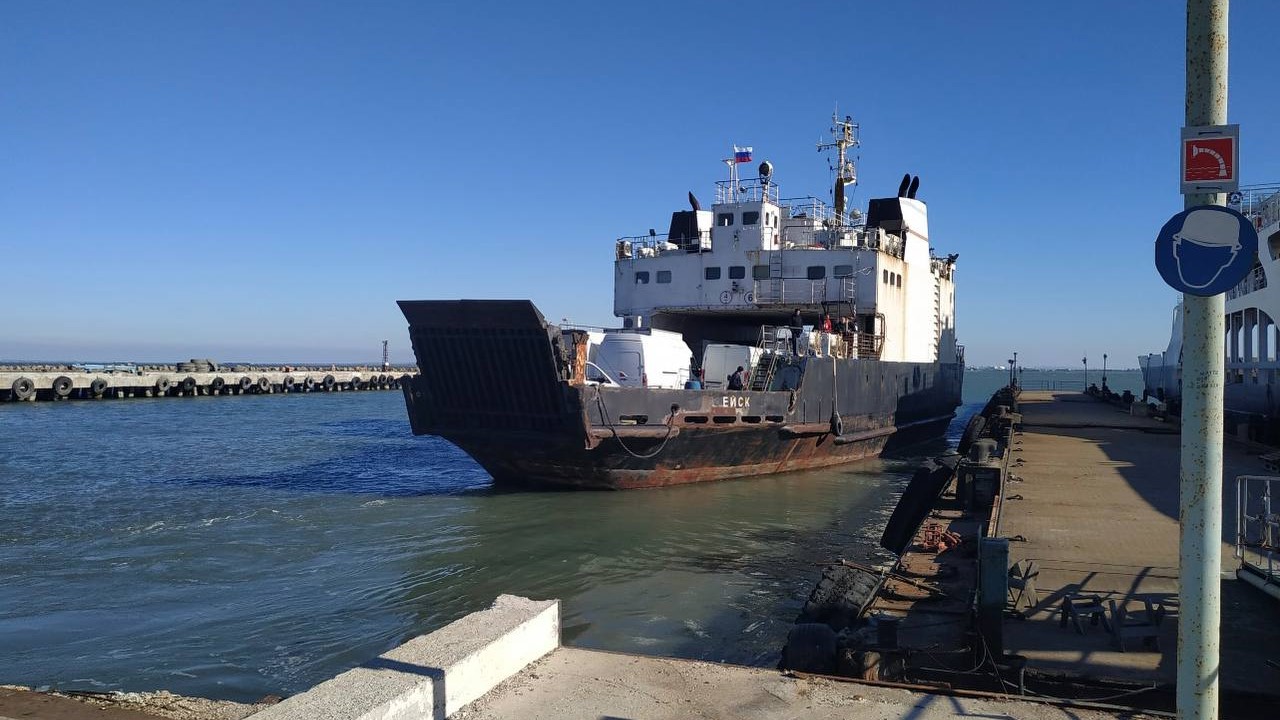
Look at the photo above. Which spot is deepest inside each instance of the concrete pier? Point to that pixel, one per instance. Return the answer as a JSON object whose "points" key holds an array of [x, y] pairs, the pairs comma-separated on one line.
{"points": [[79, 383], [1097, 511], [1047, 566], [506, 662]]}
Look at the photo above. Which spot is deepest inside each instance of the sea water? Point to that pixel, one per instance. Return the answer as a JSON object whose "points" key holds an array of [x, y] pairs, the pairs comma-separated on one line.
{"points": [[237, 547]]}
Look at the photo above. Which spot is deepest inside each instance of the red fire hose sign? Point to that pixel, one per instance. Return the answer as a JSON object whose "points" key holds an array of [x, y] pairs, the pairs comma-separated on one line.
{"points": [[1210, 158]]}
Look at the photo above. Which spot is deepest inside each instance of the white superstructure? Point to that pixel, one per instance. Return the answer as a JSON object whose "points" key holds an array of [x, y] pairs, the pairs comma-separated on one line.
{"points": [[759, 255]]}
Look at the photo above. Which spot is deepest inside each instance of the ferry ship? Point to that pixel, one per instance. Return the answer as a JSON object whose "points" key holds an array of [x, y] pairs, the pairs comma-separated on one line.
{"points": [[1251, 395], [839, 324]]}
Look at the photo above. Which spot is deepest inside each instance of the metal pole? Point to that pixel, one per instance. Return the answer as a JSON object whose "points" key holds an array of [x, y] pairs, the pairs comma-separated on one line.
{"points": [[1200, 502], [1104, 371]]}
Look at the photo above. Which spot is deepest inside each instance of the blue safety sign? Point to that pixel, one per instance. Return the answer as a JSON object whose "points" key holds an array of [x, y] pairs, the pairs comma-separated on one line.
{"points": [[1206, 250]]}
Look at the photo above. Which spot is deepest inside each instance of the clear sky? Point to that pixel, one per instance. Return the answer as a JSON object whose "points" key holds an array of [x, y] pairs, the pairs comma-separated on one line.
{"points": [[263, 180]]}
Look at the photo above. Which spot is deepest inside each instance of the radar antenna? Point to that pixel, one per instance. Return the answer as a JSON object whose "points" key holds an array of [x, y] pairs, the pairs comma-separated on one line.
{"points": [[844, 136]]}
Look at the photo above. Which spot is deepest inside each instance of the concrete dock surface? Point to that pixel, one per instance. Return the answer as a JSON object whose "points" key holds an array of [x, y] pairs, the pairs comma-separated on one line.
{"points": [[1097, 510], [573, 684]]}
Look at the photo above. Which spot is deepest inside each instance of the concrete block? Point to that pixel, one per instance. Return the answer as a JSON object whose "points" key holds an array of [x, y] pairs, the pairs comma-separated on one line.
{"points": [[432, 676]]}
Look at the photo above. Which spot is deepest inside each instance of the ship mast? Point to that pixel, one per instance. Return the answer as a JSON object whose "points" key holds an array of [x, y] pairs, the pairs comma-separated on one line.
{"points": [[844, 135]]}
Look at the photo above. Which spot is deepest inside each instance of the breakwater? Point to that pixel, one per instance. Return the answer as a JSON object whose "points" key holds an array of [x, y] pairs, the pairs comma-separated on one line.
{"points": [[30, 383]]}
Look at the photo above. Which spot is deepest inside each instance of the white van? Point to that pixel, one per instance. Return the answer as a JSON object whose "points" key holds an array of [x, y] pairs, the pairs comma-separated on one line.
{"points": [[641, 358], [721, 361]]}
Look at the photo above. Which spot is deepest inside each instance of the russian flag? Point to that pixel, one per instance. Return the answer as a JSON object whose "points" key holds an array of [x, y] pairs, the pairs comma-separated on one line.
{"points": [[741, 155]]}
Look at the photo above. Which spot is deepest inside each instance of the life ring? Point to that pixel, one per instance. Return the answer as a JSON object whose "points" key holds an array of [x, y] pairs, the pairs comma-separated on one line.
{"points": [[98, 387], [22, 388], [62, 386]]}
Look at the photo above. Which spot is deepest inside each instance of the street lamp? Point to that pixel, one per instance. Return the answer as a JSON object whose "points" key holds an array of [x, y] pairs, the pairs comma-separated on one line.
{"points": [[1085, 360], [1104, 372]]}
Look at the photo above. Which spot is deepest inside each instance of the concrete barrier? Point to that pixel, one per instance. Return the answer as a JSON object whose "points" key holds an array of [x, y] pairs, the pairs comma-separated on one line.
{"points": [[432, 676]]}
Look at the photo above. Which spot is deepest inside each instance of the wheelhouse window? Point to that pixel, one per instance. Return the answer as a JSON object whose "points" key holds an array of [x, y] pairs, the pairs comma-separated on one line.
{"points": [[664, 276], [751, 217], [885, 278], [842, 271], [817, 272], [760, 272], [711, 273], [737, 272], [724, 219], [642, 277]]}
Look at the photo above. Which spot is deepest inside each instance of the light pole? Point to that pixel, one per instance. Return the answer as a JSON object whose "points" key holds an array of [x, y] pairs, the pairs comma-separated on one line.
{"points": [[1085, 360], [1104, 372], [1200, 481]]}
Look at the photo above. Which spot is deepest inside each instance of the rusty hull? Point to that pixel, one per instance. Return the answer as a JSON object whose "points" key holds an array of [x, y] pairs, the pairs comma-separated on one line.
{"points": [[507, 388]]}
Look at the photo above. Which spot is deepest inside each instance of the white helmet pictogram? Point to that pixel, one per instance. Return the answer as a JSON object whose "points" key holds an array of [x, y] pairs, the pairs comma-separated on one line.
{"points": [[1212, 240]]}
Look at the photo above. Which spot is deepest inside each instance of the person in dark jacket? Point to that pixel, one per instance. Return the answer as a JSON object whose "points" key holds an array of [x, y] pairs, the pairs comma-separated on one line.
{"points": [[737, 379]]}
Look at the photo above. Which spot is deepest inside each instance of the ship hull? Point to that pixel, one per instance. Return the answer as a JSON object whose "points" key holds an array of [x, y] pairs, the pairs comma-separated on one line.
{"points": [[505, 387]]}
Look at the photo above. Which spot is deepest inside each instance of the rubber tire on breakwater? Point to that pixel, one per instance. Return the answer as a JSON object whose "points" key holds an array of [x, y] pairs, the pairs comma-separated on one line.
{"points": [[914, 505], [162, 385], [355, 382], [62, 386], [98, 387], [188, 384], [811, 647], [216, 386], [264, 385], [22, 388], [245, 383], [328, 383], [308, 383], [839, 597], [972, 431], [287, 384]]}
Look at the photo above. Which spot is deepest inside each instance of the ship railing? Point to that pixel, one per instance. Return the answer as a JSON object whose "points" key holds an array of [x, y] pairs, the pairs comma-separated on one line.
{"points": [[1255, 280], [779, 291], [640, 246], [1258, 525], [1260, 203], [812, 208], [746, 190]]}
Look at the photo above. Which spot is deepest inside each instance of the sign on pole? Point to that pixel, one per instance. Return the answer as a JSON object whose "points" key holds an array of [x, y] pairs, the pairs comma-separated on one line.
{"points": [[1206, 250], [1210, 159]]}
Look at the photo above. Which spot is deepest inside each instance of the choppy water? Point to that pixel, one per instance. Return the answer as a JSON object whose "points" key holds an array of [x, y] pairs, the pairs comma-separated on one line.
{"points": [[234, 547]]}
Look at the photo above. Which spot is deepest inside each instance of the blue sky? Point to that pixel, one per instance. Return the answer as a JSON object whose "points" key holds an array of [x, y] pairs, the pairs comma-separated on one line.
{"points": [[263, 180]]}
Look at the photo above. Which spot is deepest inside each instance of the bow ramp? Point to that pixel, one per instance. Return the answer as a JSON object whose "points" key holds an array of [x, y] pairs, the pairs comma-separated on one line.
{"points": [[488, 365]]}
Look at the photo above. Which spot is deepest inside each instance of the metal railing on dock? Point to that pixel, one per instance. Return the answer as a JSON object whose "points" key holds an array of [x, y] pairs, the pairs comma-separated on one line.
{"points": [[1258, 525]]}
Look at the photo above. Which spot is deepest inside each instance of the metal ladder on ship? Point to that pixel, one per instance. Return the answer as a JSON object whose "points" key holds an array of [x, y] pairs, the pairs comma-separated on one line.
{"points": [[762, 372], [776, 286]]}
